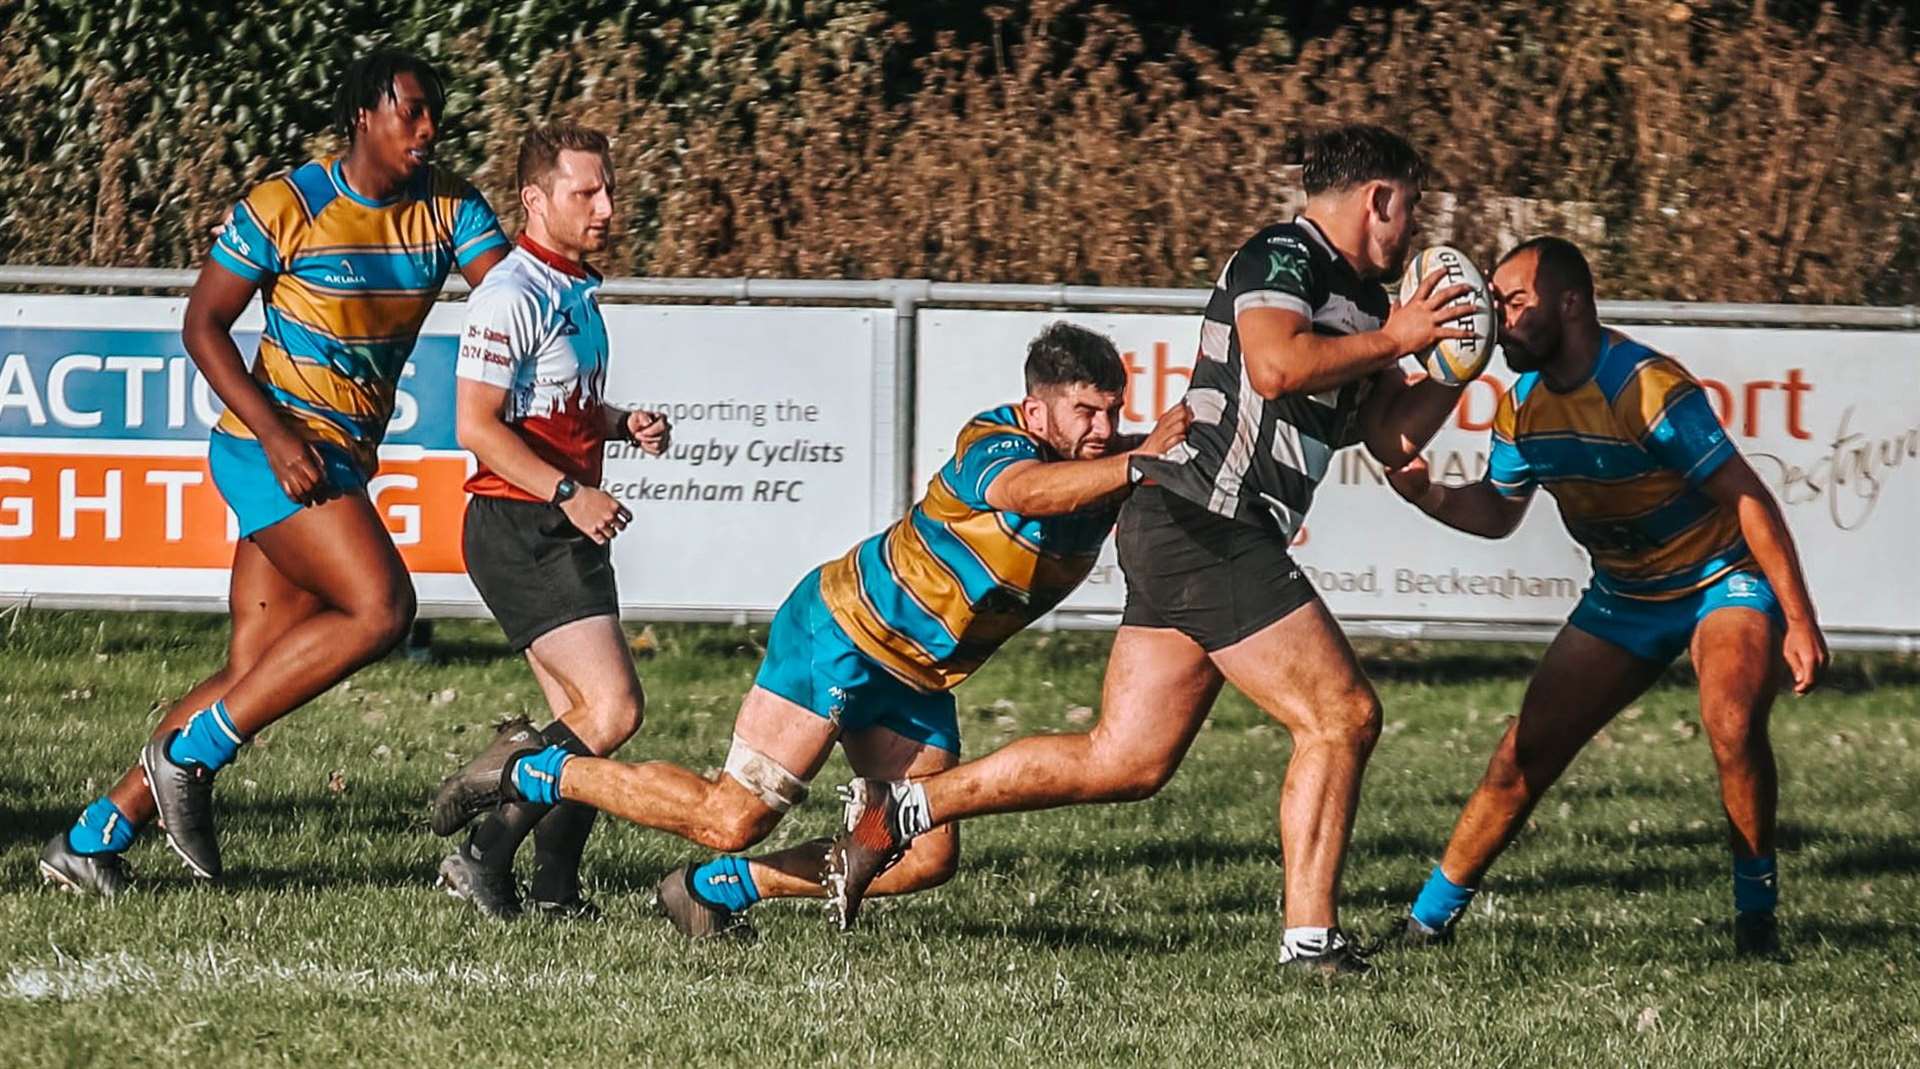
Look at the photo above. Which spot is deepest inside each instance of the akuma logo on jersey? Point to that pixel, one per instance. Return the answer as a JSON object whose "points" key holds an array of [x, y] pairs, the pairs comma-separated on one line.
{"points": [[346, 276]]}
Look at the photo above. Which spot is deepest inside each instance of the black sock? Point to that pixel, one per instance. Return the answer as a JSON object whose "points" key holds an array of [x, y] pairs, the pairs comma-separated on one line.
{"points": [[561, 836], [498, 835]]}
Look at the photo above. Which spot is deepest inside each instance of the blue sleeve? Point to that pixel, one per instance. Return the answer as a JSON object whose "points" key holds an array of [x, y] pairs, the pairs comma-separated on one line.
{"points": [[1507, 468], [476, 230], [1688, 438], [970, 473], [244, 248]]}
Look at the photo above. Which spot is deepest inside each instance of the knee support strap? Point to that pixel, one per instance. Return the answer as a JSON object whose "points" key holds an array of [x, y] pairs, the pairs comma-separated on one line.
{"points": [[765, 778]]}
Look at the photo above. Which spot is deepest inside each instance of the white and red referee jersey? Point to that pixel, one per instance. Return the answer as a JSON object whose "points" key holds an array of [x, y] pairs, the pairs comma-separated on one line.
{"points": [[534, 329]]}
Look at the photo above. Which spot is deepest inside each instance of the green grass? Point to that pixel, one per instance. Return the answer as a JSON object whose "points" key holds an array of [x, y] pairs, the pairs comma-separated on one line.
{"points": [[1139, 934]]}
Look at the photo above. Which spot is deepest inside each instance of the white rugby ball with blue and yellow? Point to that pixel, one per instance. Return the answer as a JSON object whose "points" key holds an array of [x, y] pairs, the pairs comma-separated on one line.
{"points": [[1454, 360]]}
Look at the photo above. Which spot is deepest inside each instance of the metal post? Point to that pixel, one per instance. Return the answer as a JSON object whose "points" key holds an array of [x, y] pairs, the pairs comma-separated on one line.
{"points": [[908, 294]]}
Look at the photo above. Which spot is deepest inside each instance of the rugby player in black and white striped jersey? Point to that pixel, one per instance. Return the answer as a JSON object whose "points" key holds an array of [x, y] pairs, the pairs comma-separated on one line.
{"points": [[1299, 357]]}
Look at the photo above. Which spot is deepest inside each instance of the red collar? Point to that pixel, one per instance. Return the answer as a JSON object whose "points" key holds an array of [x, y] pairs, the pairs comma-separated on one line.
{"points": [[570, 268]]}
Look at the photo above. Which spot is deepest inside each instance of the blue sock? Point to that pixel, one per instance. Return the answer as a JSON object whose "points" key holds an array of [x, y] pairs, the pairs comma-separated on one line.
{"points": [[1441, 901], [1756, 884], [101, 829], [209, 740], [726, 882], [537, 776]]}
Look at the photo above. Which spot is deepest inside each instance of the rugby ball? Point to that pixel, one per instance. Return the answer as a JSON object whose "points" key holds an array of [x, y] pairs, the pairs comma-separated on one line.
{"points": [[1454, 360]]}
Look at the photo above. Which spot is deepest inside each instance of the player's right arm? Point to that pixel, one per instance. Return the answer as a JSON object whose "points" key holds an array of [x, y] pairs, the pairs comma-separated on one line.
{"points": [[1273, 287], [494, 342], [1028, 486], [242, 256]]}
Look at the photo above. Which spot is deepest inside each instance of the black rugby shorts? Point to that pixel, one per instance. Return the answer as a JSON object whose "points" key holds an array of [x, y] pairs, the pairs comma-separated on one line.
{"points": [[534, 568], [1213, 579]]}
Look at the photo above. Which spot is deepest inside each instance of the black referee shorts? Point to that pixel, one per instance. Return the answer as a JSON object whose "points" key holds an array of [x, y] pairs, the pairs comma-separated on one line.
{"points": [[1213, 579], [534, 568]]}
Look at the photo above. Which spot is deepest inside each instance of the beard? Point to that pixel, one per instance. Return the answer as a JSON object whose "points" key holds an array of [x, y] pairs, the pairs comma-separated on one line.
{"points": [[1519, 358], [1529, 354]]}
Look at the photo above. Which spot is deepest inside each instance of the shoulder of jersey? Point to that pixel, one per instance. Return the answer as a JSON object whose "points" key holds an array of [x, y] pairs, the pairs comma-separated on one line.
{"points": [[1287, 235], [1001, 419], [517, 276], [1628, 361], [296, 197]]}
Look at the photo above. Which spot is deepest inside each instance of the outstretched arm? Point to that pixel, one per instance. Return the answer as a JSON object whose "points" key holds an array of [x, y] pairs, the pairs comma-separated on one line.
{"points": [[1737, 487], [1477, 508], [1058, 487]]}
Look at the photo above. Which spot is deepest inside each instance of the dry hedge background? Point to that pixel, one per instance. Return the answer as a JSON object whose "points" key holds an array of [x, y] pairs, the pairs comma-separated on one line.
{"points": [[1705, 154]]}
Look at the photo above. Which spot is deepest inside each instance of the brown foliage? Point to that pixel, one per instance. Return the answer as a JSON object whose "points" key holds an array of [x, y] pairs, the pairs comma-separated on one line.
{"points": [[1713, 158]]}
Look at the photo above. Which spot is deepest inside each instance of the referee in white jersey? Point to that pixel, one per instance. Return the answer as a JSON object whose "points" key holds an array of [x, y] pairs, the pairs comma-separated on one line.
{"points": [[532, 372]]}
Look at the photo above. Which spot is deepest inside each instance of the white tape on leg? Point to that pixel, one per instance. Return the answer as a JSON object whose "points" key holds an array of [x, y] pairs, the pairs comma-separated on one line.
{"points": [[765, 778]]}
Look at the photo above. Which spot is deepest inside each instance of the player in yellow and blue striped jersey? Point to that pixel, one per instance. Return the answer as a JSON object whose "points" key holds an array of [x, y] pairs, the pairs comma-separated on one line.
{"points": [[867, 649], [348, 255], [932, 597], [1689, 551]]}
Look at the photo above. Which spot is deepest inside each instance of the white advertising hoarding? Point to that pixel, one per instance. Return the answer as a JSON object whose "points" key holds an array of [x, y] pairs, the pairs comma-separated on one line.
{"points": [[780, 453], [781, 457], [1830, 419]]}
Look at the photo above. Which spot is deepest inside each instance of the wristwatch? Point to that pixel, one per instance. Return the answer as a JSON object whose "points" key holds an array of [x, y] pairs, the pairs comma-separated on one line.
{"points": [[564, 490]]}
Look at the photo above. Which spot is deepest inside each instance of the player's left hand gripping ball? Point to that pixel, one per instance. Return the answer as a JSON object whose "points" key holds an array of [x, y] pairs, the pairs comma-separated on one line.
{"points": [[1455, 360]]}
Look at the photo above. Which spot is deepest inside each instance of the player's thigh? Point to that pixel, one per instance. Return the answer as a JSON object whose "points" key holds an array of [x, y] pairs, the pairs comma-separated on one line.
{"points": [[1736, 654], [1158, 690], [791, 735], [1582, 682], [1302, 670], [341, 552], [590, 661], [264, 605], [882, 753]]}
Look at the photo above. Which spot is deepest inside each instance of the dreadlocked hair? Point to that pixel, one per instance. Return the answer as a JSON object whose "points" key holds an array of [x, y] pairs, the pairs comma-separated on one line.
{"points": [[369, 80]]}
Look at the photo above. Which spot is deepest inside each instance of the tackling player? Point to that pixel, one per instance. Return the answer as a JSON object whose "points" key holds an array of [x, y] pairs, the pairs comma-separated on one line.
{"points": [[1689, 553], [531, 381], [1298, 358], [868, 648], [349, 254]]}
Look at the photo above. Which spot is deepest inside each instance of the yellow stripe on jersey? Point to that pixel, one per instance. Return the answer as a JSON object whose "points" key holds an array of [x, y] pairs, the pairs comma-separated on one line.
{"points": [[933, 596]]}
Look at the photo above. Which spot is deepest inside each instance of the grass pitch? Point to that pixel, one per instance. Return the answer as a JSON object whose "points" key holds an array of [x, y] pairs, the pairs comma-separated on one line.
{"points": [[1139, 934]]}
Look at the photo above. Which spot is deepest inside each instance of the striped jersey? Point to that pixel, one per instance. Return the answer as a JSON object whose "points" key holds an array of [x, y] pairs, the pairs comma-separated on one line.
{"points": [[1247, 457], [1624, 454], [534, 329], [933, 596], [347, 282]]}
